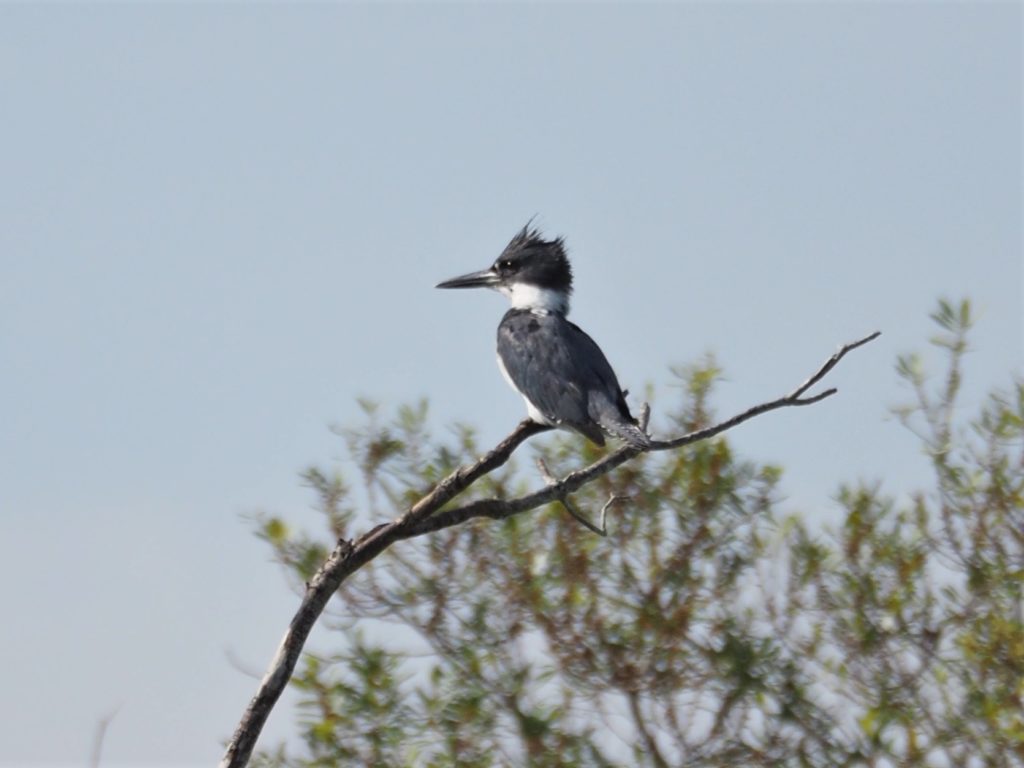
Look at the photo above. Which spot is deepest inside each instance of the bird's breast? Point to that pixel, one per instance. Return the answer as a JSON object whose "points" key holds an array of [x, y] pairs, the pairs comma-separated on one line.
{"points": [[531, 410]]}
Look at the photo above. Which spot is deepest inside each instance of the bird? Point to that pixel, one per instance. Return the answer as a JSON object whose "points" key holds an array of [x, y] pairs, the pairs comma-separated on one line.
{"points": [[562, 374]]}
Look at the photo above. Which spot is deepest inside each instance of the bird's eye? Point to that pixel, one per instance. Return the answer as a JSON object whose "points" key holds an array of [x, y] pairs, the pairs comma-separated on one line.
{"points": [[505, 264]]}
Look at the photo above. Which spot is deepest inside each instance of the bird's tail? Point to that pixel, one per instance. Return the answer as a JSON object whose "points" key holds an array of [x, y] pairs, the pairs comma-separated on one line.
{"points": [[628, 431]]}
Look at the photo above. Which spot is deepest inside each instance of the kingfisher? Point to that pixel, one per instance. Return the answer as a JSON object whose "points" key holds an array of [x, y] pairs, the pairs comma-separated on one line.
{"points": [[559, 370]]}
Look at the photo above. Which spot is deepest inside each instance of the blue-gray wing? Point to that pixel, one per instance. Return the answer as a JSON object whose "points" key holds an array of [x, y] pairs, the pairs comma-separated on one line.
{"points": [[561, 371]]}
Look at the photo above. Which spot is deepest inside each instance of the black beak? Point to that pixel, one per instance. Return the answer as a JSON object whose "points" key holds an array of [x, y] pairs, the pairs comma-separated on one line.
{"points": [[485, 278]]}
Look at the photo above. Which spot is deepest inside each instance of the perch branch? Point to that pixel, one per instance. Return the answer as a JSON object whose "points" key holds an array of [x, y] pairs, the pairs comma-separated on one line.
{"points": [[498, 509], [426, 516]]}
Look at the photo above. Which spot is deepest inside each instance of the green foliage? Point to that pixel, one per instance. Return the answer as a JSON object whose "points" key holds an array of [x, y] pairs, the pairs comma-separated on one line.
{"points": [[704, 630]]}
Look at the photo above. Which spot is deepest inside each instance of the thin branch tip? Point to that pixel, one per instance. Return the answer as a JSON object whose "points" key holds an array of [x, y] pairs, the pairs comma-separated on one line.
{"points": [[858, 343], [600, 531], [815, 398]]}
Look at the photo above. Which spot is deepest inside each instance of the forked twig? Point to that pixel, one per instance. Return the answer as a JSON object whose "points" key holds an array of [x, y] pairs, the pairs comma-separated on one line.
{"points": [[602, 529]]}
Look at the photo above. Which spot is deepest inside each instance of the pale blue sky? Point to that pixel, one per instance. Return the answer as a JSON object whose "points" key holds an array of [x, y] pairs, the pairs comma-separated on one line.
{"points": [[220, 224]]}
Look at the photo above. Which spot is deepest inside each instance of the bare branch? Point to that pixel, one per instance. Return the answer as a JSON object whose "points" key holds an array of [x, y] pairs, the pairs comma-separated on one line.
{"points": [[831, 363], [612, 499], [101, 733], [426, 516], [650, 743], [602, 531], [793, 398], [545, 473], [500, 509], [550, 480], [346, 558], [645, 417]]}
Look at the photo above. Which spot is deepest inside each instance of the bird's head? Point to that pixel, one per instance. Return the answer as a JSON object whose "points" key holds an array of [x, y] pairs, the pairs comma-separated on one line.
{"points": [[533, 272]]}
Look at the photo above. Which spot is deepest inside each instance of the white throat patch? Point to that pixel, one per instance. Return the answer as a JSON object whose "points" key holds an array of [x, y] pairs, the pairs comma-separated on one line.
{"points": [[535, 298]]}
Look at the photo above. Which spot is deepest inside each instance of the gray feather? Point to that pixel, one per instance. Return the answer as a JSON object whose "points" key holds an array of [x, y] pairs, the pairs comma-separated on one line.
{"points": [[561, 371]]}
